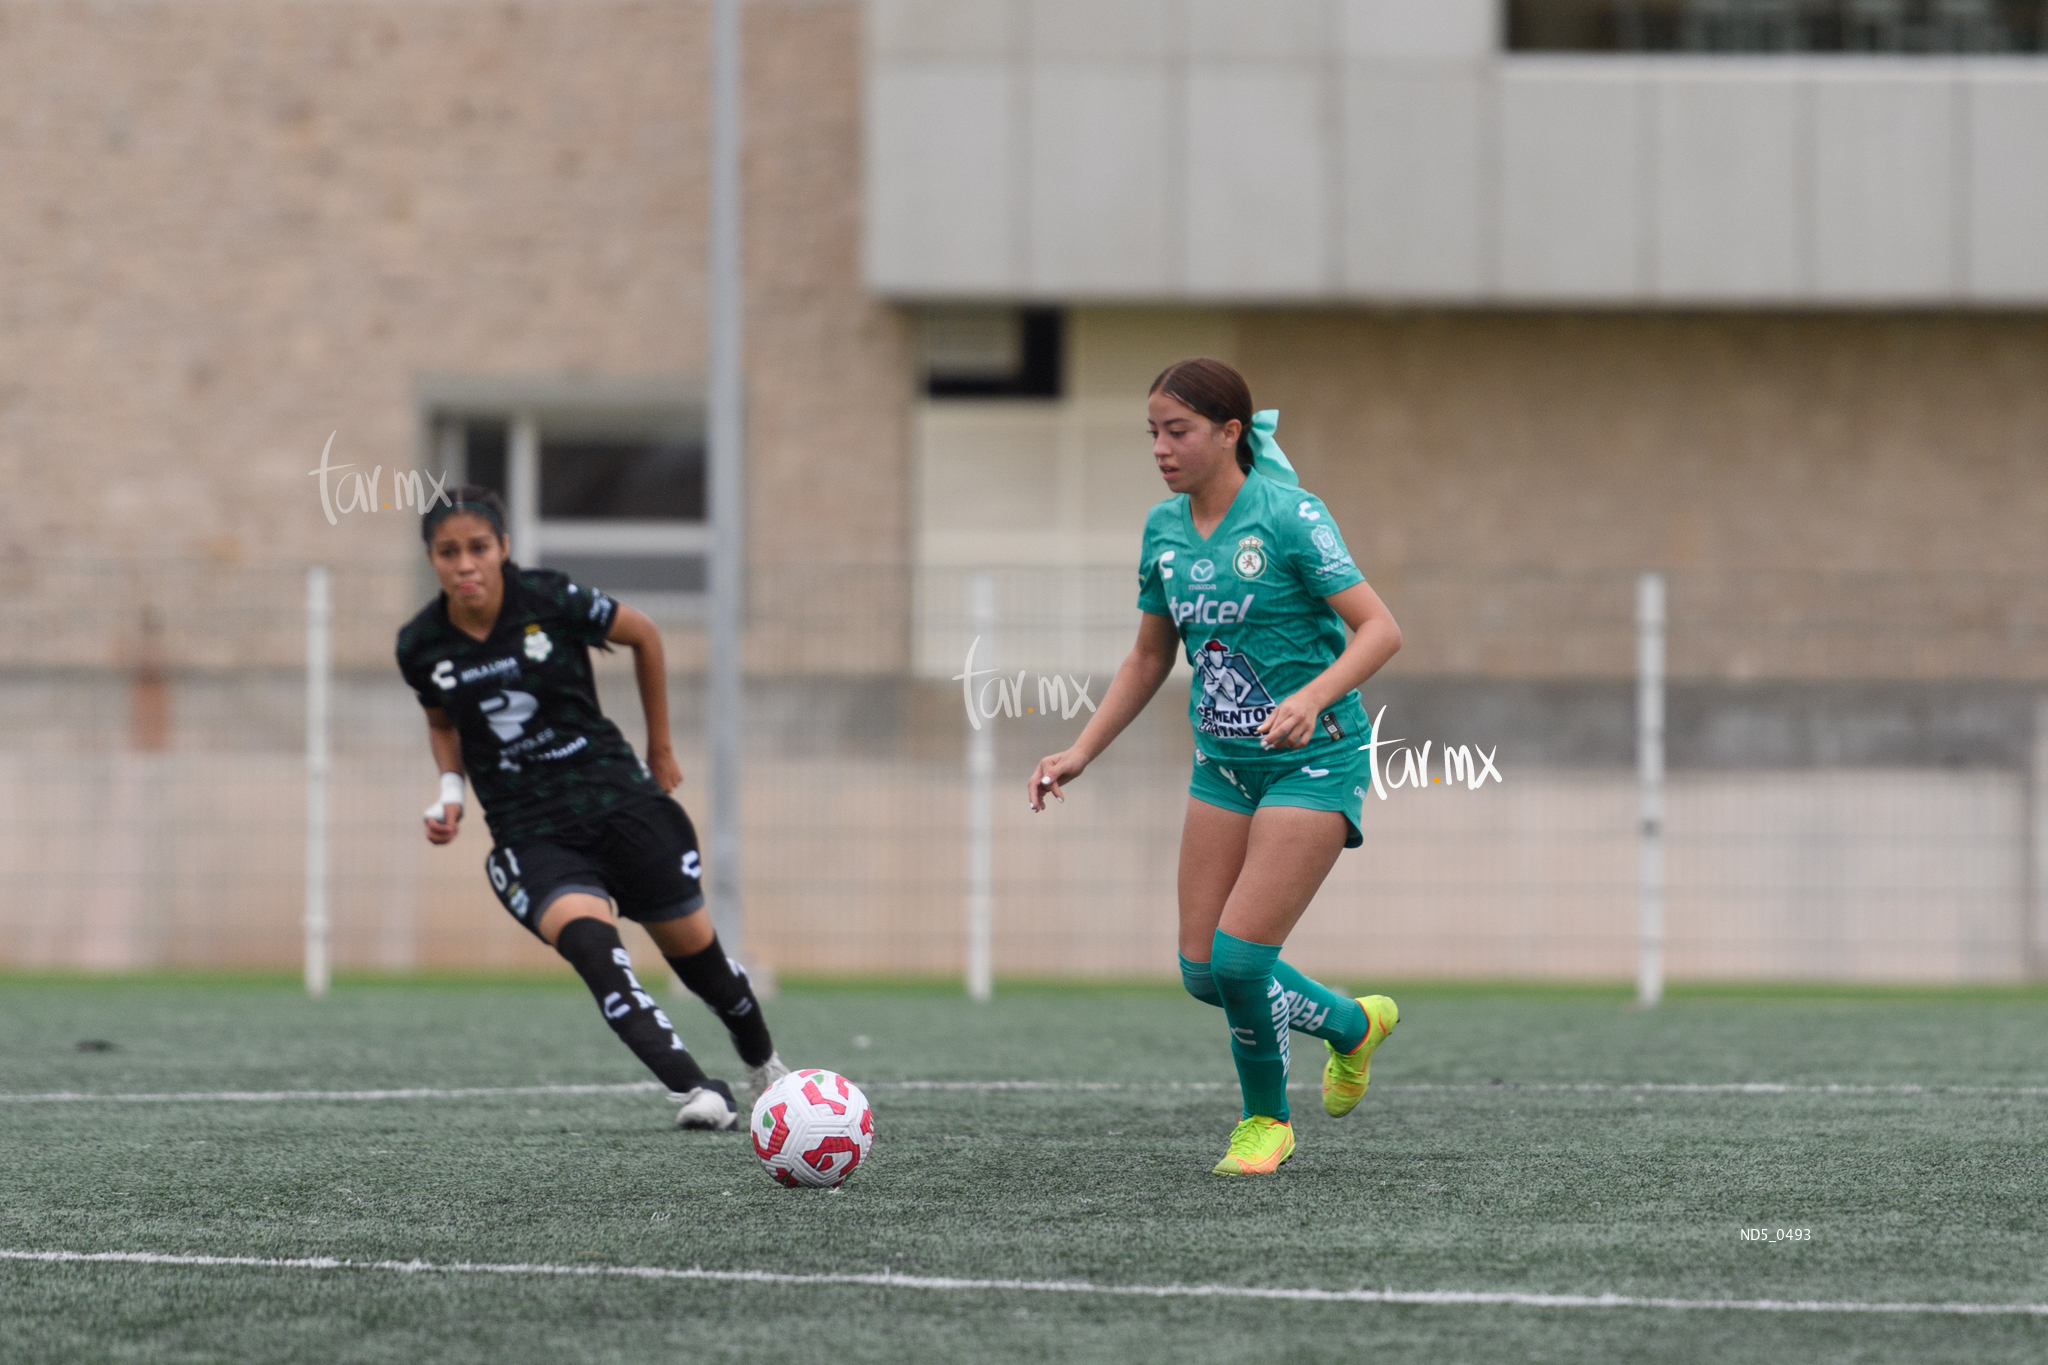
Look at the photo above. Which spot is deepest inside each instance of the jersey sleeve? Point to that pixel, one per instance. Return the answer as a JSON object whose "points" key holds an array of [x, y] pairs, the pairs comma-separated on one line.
{"points": [[1315, 547], [586, 614], [1154, 567], [416, 677]]}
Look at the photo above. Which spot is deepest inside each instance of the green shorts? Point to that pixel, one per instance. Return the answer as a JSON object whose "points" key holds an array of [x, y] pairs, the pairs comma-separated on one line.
{"points": [[1332, 781]]}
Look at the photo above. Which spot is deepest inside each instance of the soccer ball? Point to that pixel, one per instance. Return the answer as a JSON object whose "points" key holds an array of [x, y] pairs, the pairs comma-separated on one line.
{"points": [[811, 1128]]}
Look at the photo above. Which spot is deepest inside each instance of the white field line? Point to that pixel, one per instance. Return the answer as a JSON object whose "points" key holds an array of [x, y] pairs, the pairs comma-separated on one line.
{"points": [[1490, 1087], [999, 1087], [283, 1096], [1442, 1297]]}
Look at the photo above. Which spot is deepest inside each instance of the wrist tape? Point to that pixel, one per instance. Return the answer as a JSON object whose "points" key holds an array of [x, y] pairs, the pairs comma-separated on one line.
{"points": [[451, 795]]}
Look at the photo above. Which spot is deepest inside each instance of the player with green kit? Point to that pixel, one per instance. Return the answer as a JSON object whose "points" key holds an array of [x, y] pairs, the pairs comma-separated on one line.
{"points": [[1248, 574]]}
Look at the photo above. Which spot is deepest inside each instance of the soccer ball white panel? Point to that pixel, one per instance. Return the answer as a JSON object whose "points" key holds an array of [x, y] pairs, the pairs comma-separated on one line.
{"points": [[812, 1128]]}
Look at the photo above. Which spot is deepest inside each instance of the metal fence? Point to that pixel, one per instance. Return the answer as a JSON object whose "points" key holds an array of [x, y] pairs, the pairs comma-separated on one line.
{"points": [[1856, 783]]}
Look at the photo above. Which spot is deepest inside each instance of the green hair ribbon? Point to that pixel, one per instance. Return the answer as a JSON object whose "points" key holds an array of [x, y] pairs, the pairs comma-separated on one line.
{"points": [[1267, 457]]}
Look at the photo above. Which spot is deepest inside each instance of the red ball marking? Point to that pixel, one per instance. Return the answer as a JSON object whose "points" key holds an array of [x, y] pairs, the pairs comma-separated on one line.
{"points": [[820, 1157], [776, 1138], [819, 1097]]}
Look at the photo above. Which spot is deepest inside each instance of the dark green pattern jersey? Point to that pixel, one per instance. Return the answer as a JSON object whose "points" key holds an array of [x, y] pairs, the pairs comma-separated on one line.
{"points": [[540, 753]]}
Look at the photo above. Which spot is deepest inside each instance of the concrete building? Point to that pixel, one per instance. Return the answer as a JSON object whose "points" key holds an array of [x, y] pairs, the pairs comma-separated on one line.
{"points": [[1591, 311]]}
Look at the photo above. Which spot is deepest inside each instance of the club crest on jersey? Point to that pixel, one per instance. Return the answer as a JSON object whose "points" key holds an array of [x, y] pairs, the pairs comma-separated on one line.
{"points": [[1334, 559], [1250, 559], [538, 645], [1234, 702]]}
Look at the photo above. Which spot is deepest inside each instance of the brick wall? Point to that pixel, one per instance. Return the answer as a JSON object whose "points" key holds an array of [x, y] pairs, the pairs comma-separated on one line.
{"points": [[233, 228]]}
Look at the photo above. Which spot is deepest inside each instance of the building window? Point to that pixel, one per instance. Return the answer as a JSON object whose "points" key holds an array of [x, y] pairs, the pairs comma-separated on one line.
{"points": [[612, 494], [993, 352], [1728, 26]]}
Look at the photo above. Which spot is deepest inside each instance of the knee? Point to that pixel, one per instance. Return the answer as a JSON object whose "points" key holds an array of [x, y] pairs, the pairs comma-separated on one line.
{"points": [[686, 935], [1200, 982], [588, 942], [1241, 968]]}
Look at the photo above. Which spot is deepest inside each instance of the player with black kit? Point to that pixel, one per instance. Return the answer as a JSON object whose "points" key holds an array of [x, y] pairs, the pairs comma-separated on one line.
{"points": [[501, 662]]}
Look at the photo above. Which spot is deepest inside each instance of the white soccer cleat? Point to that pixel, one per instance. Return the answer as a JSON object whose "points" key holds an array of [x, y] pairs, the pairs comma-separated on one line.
{"points": [[760, 1077], [710, 1106]]}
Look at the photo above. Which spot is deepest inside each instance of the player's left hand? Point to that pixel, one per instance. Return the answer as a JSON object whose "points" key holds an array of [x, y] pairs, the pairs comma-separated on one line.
{"points": [[1291, 726], [662, 766]]}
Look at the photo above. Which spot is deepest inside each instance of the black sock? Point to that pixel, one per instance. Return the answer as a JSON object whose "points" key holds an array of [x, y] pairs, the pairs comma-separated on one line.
{"points": [[592, 947], [718, 981]]}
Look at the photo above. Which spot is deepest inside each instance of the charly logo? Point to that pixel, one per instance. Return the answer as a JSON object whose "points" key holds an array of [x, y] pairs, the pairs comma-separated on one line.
{"points": [[1202, 571], [1010, 695], [1250, 559], [538, 645], [1166, 566], [444, 675], [1308, 511]]}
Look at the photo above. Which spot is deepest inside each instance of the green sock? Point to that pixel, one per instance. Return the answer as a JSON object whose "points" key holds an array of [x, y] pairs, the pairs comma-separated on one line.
{"points": [[1256, 1008], [1200, 983], [1320, 1012]]}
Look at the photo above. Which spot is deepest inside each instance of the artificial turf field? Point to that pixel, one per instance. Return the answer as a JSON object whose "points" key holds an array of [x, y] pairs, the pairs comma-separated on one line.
{"points": [[1513, 1140]]}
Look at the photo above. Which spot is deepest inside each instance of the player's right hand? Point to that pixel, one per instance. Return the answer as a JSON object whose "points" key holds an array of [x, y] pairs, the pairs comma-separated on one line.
{"points": [[1053, 772], [442, 830]]}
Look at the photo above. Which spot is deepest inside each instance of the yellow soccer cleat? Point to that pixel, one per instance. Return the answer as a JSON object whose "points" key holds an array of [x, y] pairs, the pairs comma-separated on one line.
{"points": [[1346, 1074], [1257, 1147]]}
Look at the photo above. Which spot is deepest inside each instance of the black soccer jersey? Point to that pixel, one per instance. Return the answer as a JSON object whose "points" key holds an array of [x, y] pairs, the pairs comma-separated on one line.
{"points": [[540, 753]]}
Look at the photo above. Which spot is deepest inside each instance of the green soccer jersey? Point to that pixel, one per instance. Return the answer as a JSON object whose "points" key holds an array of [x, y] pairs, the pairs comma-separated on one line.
{"points": [[1248, 601]]}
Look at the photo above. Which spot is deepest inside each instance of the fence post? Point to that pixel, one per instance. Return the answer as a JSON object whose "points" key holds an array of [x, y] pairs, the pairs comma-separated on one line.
{"points": [[319, 667], [2034, 914], [981, 771], [1650, 787], [724, 397]]}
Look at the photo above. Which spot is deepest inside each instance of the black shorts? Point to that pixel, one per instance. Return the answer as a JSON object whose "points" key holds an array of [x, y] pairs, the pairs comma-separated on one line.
{"points": [[643, 856]]}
